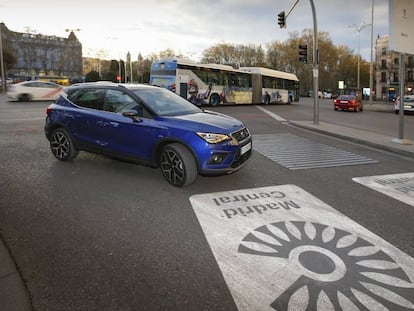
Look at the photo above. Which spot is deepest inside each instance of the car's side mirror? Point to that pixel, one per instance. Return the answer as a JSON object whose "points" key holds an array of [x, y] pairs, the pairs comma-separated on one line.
{"points": [[132, 114]]}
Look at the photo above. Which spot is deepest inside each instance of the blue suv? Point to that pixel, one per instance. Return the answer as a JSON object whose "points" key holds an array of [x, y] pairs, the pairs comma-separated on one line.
{"points": [[146, 125]]}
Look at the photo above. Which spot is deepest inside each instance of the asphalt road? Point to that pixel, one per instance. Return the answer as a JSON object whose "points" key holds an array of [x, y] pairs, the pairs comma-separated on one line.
{"points": [[100, 234]]}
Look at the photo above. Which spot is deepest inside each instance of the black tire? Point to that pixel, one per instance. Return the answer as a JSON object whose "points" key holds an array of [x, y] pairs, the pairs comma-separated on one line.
{"points": [[214, 100], [62, 146], [24, 98], [178, 165]]}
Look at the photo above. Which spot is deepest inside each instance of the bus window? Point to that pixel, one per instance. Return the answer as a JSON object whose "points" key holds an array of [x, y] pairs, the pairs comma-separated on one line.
{"points": [[213, 78]]}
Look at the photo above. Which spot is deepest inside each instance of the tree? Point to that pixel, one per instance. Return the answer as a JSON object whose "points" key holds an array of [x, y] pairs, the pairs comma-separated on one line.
{"points": [[9, 59]]}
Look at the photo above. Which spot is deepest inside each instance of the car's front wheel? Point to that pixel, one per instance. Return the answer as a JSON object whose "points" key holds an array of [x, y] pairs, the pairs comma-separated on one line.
{"points": [[178, 165], [62, 146]]}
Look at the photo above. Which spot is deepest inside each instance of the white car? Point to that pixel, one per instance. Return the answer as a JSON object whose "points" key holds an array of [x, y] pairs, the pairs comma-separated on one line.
{"points": [[327, 95], [408, 104], [34, 90]]}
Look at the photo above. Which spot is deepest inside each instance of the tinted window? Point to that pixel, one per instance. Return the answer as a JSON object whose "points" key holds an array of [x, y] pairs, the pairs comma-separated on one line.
{"points": [[118, 101], [165, 103], [88, 98], [346, 97]]}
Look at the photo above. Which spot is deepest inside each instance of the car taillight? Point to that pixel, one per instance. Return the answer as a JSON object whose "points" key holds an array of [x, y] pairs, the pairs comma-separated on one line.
{"points": [[49, 110]]}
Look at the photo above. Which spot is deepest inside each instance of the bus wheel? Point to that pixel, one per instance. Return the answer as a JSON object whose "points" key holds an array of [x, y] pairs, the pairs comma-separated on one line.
{"points": [[214, 100], [267, 100]]}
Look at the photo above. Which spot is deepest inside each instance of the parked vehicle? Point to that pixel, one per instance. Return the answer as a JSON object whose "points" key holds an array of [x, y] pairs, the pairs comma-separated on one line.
{"points": [[348, 102], [148, 125], [34, 90], [408, 104], [326, 94]]}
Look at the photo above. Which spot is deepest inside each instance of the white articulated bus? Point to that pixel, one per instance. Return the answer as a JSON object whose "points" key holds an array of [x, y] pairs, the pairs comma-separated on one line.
{"points": [[214, 84]]}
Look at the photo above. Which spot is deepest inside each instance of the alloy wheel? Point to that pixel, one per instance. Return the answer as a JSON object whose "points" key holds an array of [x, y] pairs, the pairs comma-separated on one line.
{"points": [[172, 167]]}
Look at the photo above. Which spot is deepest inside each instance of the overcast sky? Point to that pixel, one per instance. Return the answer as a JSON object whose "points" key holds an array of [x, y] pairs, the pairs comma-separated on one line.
{"points": [[189, 27]]}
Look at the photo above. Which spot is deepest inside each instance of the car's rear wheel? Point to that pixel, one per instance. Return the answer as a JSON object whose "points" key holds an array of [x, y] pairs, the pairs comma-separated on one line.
{"points": [[178, 165], [25, 97], [62, 146]]}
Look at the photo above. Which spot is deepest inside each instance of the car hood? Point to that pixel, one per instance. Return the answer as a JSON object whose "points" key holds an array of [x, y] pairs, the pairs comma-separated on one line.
{"points": [[207, 121]]}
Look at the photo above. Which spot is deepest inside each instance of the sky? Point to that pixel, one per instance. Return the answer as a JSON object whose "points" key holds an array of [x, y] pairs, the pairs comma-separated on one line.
{"points": [[111, 29]]}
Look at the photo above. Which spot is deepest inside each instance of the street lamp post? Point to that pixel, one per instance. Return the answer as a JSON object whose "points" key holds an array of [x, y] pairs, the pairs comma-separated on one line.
{"points": [[371, 69], [3, 75], [358, 29]]}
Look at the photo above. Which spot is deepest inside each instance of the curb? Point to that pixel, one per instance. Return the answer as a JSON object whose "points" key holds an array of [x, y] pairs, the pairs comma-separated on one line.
{"points": [[13, 293], [375, 140]]}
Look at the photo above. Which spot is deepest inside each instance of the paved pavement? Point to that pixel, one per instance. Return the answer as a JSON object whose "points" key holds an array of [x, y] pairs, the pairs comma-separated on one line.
{"points": [[401, 146], [14, 295]]}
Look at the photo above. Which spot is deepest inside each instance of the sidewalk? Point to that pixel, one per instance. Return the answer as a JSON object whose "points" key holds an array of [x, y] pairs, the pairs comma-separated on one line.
{"points": [[359, 136], [13, 294], [362, 136]]}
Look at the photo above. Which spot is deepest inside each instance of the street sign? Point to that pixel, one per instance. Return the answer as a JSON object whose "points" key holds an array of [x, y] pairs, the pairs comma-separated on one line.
{"points": [[401, 21]]}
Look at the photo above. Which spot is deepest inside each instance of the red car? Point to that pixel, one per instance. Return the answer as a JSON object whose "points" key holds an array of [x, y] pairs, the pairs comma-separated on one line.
{"points": [[348, 102]]}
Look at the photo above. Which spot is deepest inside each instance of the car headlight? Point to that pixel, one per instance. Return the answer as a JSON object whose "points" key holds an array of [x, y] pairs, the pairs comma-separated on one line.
{"points": [[212, 138]]}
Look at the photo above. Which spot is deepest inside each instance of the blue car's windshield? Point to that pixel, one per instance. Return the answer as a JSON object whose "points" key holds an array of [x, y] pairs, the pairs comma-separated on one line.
{"points": [[166, 103]]}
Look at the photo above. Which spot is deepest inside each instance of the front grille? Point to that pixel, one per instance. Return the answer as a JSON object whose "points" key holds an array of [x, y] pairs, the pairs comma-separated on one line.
{"points": [[241, 134]]}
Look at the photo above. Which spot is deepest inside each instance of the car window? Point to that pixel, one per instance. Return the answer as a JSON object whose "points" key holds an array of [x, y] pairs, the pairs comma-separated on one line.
{"points": [[49, 85], [30, 84], [119, 101], [88, 98], [346, 97], [165, 103]]}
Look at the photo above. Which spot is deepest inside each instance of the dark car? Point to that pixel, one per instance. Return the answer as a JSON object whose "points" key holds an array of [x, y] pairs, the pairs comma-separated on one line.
{"points": [[147, 125], [348, 102]]}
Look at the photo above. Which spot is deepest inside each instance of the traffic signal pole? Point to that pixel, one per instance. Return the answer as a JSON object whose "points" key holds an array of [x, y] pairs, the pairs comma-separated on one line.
{"points": [[315, 69], [282, 23]]}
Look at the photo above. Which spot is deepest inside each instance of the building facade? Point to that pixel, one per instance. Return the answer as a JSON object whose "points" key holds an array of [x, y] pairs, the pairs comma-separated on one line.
{"points": [[387, 71], [39, 55]]}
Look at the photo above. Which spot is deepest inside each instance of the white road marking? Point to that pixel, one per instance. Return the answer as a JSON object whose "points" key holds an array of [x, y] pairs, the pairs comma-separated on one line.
{"points": [[280, 248], [271, 114], [397, 186]]}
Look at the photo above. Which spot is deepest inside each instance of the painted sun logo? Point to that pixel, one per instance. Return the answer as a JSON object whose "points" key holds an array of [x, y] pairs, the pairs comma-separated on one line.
{"points": [[338, 270]]}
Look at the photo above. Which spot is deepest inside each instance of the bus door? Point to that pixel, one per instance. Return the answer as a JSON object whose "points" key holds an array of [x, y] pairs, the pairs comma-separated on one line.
{"points": [[182, 83], [184, 89], [257, 96]]}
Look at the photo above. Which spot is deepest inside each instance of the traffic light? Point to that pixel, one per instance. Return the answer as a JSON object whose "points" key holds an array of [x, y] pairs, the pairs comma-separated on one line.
{"points": [[303, 53], [281, 19]]}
